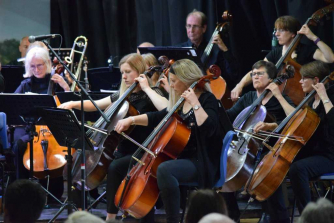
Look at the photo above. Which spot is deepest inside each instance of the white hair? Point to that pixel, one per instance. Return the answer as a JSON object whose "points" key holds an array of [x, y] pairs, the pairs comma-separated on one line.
{"points": [[215, 218], [39, 53], [83, 216], [321, 211]]}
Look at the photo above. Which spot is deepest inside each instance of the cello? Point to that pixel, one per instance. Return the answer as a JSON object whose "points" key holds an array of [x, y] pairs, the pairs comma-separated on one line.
{"points": [[242, 152], [218, 85], [139, 191], [99, 158], [291, 87], [274, 166], [49, 156]]}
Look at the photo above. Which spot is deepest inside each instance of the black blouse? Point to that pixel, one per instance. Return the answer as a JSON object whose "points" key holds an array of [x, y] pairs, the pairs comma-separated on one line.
{"points": [[273, 106], [37, 85], [143, 104], [304, 54], [205, 143], [322, 143]]}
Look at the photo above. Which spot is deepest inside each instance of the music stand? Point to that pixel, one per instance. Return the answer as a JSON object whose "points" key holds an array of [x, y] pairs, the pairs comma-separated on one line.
{"points": [[104, 78], [22, 109], [67, 131], [72, 96], [175, 53], [27, 106]]}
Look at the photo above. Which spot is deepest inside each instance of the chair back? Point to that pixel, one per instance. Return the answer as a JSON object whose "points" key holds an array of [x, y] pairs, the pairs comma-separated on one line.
{"points": [[223, 158], [3, 130]]}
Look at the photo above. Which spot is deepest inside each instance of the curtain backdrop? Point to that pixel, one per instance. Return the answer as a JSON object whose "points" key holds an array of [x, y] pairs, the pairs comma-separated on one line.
{"points": [[116, 27]]}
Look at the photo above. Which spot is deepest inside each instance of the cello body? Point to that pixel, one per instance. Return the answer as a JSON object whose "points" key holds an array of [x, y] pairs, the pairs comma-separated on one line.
{"points": [[49, 156], [273, 168], [141, 192], [242, 153], [99, 159]]}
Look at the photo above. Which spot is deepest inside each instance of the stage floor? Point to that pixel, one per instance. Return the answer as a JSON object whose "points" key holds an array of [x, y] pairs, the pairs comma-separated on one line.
{"points": [[252, 213]]}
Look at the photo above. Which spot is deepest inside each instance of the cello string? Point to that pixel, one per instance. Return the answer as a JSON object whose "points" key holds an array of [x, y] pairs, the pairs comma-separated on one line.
{"points": [[258, 136], [292, 137]]}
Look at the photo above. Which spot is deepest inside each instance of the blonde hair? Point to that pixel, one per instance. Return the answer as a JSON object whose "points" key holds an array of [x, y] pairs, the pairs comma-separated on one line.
{"points": [[187, 72], [150, 59], [136, 62], [38, 53]]}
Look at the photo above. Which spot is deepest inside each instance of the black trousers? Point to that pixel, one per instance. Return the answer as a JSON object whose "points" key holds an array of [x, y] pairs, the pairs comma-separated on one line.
{"points": [[300, 173], [116, 173], [170, 175]]}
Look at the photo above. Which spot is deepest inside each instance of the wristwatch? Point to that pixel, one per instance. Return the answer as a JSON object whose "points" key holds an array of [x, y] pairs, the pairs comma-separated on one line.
{"points": [[325, 101], [196, 107]]}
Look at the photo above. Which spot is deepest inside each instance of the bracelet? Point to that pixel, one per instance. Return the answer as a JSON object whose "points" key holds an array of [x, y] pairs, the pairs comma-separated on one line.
{"points": [[325, 101], [133, 120], [316, 41]]}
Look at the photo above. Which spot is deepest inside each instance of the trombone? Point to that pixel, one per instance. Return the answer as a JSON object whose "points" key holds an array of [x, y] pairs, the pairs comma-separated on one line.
{"points": [[79, 46]]}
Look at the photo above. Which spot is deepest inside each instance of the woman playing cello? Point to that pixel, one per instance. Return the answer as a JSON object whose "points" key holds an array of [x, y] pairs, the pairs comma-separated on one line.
{"points": [[263, 73], [317, 156], [199, 161], [38, 69], [286, 29], [144, 99]]}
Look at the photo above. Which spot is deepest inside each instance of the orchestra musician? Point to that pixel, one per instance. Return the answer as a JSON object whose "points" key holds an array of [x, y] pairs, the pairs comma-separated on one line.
{"points": [[199, 161], [196, 25], [286, 28], [144, 99], [263, 73], [38, 69], [317, 156]]}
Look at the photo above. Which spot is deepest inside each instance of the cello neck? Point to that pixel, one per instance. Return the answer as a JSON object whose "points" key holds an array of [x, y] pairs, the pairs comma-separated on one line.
{"points": [[301, 104], [206, 54], [291, 48]]}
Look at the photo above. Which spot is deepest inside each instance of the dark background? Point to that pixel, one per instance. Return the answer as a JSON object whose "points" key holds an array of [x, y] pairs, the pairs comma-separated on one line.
{"points": [[116, 27]]}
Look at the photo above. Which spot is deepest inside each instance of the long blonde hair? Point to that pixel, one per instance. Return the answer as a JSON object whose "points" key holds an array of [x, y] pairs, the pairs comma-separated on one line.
{"points": [[187, 72], [136, 62]]}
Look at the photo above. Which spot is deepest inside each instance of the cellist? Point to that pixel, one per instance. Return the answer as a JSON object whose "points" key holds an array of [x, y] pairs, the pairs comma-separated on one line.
{"points": [[263, 73], [38, 75], [144, 99], [199, 161], [286, 28], [317, 156]]}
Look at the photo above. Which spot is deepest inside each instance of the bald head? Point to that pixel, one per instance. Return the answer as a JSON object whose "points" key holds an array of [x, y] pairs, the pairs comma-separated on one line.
{"points": [[215, 218], [145, 44]]}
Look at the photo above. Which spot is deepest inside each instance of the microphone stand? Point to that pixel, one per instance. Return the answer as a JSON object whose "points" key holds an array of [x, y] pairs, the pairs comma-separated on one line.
{"points": [[83, 93]]}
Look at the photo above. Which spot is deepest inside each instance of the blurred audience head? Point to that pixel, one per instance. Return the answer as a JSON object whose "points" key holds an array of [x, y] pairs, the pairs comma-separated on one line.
{"points": [[216, 218], [24, 202], [321, 211], [83, 216], [203, 202]]}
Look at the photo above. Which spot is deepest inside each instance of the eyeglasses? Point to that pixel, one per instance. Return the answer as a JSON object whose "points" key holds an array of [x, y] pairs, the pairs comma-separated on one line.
{"points": [[279, 30], [260, 74], [193, 26], [38, 66]]}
